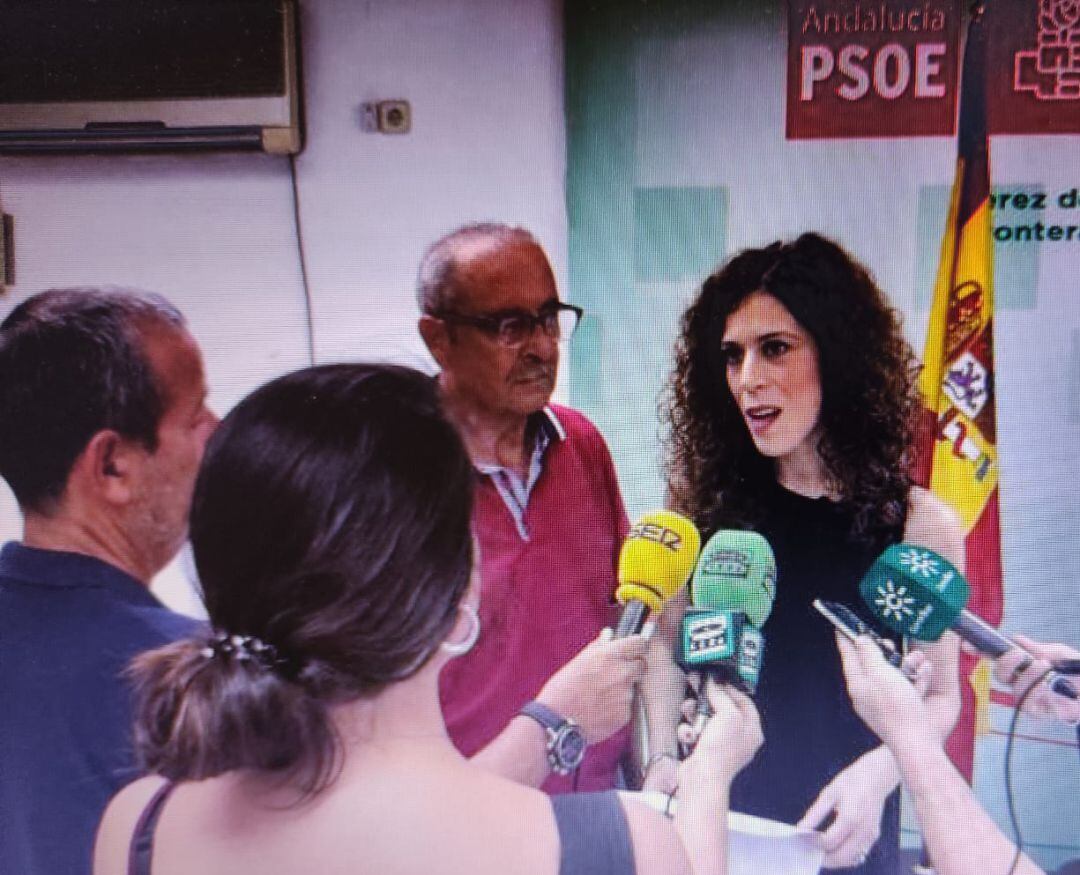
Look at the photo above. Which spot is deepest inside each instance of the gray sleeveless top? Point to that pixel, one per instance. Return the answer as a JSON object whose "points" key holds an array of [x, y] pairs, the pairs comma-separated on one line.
{"points": [[592, 827]]}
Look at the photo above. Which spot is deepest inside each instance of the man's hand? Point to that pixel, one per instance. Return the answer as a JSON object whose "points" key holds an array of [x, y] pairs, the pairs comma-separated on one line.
{"points": [[1022, 666], [595, 688]]}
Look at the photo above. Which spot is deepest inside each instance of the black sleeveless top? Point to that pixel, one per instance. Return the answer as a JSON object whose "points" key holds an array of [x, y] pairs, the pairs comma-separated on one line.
{"points": [[593, 832], [811, 731]]}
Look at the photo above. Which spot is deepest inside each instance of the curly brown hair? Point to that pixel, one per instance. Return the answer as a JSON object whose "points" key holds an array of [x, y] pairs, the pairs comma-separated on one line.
{"points": [[869, 400]]}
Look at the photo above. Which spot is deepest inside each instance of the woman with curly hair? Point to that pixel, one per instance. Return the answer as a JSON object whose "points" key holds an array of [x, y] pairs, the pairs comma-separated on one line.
{"points": [[791, 411]]}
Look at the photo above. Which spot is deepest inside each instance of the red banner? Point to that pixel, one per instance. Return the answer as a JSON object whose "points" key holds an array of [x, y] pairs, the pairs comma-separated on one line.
{"points": [[1033, 81], [859, 68], [871, 69]]}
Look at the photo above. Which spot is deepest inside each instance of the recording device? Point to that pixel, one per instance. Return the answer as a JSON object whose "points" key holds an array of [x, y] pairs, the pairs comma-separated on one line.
{"points": [[918, 593], [723, 644], [851, 626], [731, 592], [655, 561]]}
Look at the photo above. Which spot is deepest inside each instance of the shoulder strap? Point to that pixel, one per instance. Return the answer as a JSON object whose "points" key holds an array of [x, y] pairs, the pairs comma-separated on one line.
{"points": [[594, 836], [142, 840]]}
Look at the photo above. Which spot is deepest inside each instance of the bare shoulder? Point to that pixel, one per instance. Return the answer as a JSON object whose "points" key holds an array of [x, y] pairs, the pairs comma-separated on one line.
{"points": [[656, 843], [932, 523], [118, 825]]}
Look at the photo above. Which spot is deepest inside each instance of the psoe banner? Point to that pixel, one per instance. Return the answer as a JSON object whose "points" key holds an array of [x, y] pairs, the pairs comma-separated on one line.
{"points": [[872, 69]]}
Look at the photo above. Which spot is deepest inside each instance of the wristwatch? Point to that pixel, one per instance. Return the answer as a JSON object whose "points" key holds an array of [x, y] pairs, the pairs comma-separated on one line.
{"points": [[565, 740]]}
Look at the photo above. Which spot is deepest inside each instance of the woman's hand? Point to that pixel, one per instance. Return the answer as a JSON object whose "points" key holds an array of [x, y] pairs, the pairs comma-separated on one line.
{"points": [[857, 798], [890, 703], [1024, 666]]}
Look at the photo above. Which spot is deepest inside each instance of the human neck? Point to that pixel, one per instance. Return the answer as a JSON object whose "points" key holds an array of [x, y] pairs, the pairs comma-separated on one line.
{"points": [[491, 437], [104, 541], [404, 716], [803, 472]]}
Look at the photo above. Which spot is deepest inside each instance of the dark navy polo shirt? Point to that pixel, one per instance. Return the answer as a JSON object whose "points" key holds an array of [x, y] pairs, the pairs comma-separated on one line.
{"points": [[69, 625]]}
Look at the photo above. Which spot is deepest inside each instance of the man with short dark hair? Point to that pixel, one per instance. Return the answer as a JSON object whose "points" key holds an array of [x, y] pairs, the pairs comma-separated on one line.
{"points": [[542, 680], [103, 420]]}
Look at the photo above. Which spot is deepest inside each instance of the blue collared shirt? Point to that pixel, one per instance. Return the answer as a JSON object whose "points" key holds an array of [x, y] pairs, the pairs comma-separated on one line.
{"points": [[512, 487], [69, 625]]}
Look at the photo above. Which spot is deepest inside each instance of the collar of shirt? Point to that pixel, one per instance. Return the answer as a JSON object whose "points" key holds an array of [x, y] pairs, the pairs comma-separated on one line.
{"points": [[62, 570], [511, 486]]}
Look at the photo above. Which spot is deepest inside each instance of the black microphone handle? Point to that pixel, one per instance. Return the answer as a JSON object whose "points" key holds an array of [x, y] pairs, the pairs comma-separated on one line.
{"points": [[980, 635], [704, 709], [987, 640], [633, 618]]}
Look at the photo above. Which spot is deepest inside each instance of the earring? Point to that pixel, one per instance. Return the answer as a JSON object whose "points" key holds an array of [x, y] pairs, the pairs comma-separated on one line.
{"points": [[459, 648]]}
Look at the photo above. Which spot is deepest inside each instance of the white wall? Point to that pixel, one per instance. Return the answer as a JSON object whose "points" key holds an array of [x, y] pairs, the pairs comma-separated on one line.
{"points": [[215, 232]]}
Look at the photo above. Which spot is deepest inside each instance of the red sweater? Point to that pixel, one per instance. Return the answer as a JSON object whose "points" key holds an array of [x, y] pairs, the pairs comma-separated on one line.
{"points": [[543, 599]]}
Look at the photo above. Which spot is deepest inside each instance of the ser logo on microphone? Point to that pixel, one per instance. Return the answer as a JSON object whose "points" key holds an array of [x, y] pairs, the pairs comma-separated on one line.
{"points": [[707, 637], [661, 535]]}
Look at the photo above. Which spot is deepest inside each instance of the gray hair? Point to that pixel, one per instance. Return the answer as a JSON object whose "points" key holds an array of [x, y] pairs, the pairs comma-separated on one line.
{"points": [[439, 282]]}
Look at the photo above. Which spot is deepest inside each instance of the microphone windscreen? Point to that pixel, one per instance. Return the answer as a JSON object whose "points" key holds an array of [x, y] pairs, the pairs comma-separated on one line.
{"points": [[736, 572], [656, 559], [914, 591]]}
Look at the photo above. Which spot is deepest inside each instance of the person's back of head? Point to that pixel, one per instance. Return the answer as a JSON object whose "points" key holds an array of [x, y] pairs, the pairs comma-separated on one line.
{"points": [[331, 531], [72, 363]]}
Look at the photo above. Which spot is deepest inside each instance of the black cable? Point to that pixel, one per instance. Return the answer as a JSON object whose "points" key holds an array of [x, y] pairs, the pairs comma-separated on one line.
{"points": [[309, 309], [1010, 798]]}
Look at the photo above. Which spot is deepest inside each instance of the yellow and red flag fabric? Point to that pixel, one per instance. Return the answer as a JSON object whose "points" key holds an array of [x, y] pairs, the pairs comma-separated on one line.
{"points": [[956, 450]]}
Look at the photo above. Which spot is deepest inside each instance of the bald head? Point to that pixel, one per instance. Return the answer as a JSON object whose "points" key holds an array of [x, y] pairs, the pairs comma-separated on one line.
{"points": [[446, 268]]}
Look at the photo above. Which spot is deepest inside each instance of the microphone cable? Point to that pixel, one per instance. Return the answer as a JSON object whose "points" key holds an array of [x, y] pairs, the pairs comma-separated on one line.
{"points": [[1010, 797]]}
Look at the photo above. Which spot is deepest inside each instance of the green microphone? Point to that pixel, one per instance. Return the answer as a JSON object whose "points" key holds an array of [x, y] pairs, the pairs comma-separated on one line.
{"points": [[919, 593], [736, 571], [731, 593], [915, 591]]}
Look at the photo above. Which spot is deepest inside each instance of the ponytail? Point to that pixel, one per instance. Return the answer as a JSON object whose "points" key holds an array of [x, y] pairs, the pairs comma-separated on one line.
{"points": [[211, 704]]}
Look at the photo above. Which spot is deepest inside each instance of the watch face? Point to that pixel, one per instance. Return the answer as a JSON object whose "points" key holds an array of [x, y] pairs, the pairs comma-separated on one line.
{"points": [[570, 747]]}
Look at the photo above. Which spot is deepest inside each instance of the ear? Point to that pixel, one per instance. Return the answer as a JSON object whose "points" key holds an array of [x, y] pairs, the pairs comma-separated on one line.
{"points": [[108, 464], [436, 338]]}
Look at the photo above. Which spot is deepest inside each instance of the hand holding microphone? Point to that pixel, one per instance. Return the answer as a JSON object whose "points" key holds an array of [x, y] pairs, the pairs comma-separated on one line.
{"points": [[596, 687], [728, 741], [731, 592], [1026, 664]]}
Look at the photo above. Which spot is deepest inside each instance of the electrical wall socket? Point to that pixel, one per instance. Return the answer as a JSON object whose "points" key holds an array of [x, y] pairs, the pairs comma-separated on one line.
{"points": [[386, 117]]}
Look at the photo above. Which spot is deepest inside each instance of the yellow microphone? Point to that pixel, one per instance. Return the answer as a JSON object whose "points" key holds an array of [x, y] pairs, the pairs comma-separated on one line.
{"points": [[655, 562]]}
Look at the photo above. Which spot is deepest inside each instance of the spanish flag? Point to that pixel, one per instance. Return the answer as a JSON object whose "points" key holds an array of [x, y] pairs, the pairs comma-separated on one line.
{"points": [[956, 450]]}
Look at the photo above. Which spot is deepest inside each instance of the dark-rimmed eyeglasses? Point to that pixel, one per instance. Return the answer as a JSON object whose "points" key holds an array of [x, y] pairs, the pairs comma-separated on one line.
{"points": [[514, 327]]}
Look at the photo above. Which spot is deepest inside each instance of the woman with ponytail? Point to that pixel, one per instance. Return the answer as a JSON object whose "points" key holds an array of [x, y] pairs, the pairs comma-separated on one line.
{"points": [[331, 534]]}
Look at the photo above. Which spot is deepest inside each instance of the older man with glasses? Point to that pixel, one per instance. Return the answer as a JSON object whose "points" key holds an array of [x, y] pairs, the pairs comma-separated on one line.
{"points": [[543, 695]]}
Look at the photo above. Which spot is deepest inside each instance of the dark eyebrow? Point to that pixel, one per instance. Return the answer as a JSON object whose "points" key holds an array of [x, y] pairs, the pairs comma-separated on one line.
{"points": [[774, 335]]}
